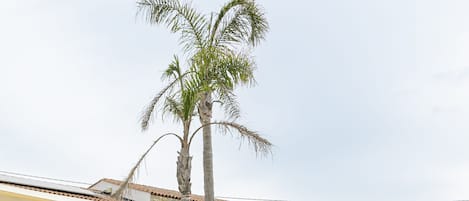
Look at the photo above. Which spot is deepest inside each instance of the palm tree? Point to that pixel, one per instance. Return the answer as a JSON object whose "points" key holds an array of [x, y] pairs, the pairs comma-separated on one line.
{"points": [[214, 43], [181, 106]]}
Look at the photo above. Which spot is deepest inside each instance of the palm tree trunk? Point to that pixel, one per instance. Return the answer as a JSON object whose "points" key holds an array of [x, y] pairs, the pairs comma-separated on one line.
{"points": [[208, 163], [205, 112], [183, 173]]}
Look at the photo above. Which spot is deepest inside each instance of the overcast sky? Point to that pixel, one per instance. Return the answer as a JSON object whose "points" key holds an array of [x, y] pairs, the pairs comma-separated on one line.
{"points": [[364, 100]]}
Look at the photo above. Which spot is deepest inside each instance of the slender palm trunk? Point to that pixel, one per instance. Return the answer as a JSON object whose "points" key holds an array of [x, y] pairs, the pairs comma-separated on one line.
{"points": [[183, 173], [205, 112], [208, 164]]}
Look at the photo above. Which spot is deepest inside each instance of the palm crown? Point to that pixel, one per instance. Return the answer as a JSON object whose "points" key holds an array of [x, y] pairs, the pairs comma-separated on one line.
{"points": [[213, 42]]}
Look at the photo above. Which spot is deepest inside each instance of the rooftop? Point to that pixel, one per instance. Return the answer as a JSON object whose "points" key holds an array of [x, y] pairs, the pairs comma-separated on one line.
{"points": [[52, 188], [154, 190]]}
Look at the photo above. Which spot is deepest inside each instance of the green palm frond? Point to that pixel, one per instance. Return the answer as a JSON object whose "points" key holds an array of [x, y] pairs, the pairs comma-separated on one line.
{"points": [[230, 71], [227, 70], [238, 69], [173, 108], [181, 105], [147, 115], [179, 17], [175, 73], [223, 67], [239, 21], [189, 99], [173, 70]]}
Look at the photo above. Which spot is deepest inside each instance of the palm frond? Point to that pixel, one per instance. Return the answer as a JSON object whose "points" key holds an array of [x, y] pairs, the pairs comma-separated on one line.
{"points": [[230, 71], [239, 21], [173, 107], [150, 109], [230, 105], [173, 70], [189, 98], [178, 17], [239, 67], [121, 191], [181, 105], [260, 145]]}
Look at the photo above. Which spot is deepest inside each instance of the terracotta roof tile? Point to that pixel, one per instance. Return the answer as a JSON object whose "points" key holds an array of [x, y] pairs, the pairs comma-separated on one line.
{"points": [[155, 191]]}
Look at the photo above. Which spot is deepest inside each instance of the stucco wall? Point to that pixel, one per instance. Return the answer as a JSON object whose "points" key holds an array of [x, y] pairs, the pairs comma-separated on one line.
{"points": [[133, 194]]}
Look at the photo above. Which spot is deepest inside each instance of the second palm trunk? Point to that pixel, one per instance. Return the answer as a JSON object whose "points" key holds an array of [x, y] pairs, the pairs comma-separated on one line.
{"points": [[183, 173]]}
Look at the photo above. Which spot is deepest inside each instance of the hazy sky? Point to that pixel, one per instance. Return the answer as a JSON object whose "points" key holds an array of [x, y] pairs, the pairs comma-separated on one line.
{"points": [[364, 100]]}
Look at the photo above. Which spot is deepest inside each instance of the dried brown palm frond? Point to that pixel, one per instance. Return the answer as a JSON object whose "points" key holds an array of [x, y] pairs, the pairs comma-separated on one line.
{"points": [[231, 106], [123, 188], [260, 145]]}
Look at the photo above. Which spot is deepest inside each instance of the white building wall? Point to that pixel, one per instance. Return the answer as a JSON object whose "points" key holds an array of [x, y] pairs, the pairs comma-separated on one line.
{"points": [[133, 194]]}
